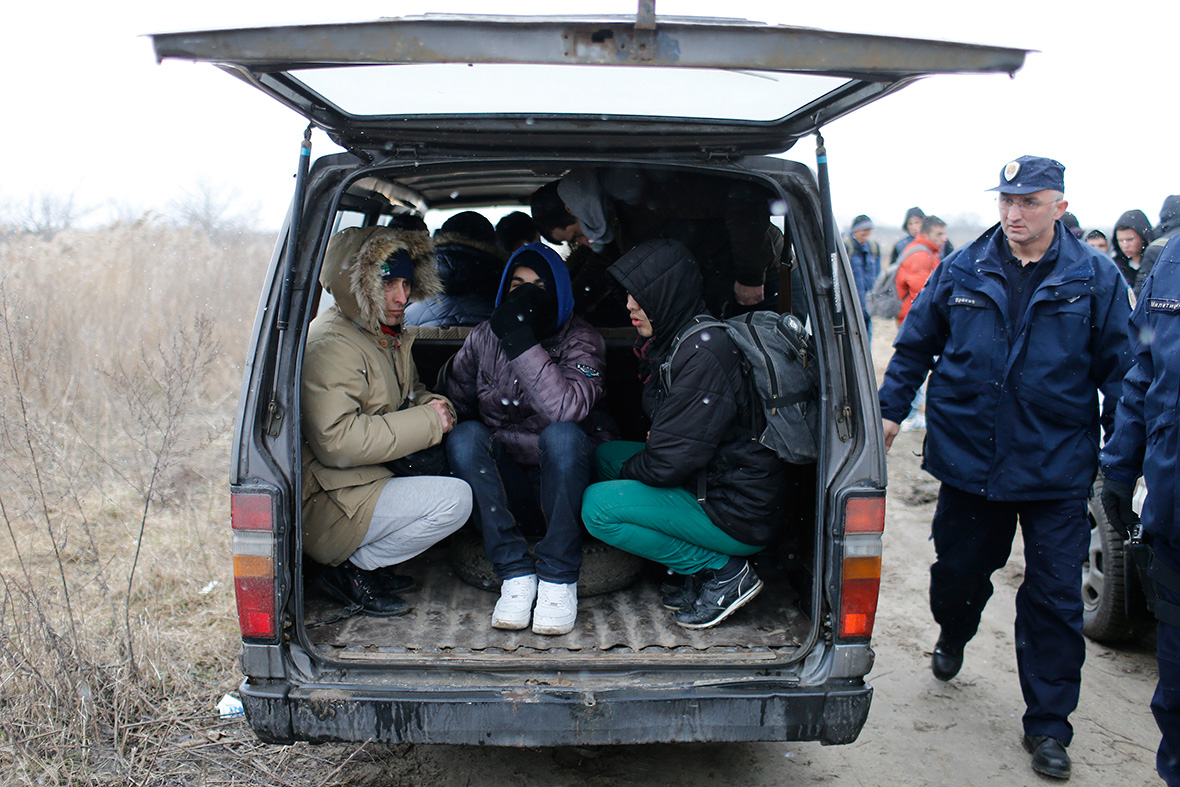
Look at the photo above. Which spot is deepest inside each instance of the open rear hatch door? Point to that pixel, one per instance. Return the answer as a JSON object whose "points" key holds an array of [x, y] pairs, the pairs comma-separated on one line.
{"points": [[502, 84]]}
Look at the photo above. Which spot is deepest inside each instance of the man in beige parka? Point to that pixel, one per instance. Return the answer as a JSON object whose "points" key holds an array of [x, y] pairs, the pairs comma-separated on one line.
{"points": [[363, 406]]}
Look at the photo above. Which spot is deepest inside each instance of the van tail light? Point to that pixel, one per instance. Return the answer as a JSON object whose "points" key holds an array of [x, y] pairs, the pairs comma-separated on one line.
{"points": [[864, 522], [252, 519]]}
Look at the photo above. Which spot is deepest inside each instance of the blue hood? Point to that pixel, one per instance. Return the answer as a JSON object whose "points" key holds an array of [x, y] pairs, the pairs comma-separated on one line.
{"points": [[561, 279]]}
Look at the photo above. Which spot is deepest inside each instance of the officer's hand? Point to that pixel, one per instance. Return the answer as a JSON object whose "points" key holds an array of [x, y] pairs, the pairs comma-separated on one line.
{"points": [[748, 296], [514, 319], [891, 428], [444, 414], [1116, 502]]}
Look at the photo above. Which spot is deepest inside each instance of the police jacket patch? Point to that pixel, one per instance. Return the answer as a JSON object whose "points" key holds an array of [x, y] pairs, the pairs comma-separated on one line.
{"points": [[1163, 305]]}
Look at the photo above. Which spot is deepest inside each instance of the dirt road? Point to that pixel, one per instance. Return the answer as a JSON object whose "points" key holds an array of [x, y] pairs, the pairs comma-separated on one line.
{"points": [[920, 732]]}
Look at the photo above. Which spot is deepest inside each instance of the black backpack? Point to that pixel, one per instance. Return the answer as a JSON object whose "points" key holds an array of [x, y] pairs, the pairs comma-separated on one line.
{"points": [[779, 363]]}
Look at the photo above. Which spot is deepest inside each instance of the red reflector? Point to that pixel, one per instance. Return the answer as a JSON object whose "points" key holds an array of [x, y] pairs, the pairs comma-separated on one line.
{"points": [[864, 515], [256, 606], [250, 511], [858, 607]]}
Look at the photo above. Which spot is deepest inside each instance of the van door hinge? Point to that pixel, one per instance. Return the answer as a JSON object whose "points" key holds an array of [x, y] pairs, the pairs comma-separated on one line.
{"points": [[274, 417], [844, 423]]}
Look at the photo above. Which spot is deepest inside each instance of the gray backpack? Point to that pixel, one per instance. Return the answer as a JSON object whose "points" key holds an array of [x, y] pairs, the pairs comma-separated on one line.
{"points": [[882, 300], [779, 363]]}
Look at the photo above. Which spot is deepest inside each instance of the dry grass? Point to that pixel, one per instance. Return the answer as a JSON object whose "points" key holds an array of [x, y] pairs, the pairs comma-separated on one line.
{"points": [[120, 363]]}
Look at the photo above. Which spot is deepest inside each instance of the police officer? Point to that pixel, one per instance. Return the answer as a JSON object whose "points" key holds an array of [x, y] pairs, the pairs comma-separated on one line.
{"points": [[1145, 443], [1019, 330]]}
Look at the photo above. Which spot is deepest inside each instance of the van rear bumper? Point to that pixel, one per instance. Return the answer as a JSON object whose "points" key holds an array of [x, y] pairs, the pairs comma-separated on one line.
{"points": [[548, 716]]}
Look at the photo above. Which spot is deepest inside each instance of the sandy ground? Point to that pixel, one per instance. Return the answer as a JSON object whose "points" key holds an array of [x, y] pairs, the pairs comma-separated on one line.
{"points": [[920, 731]]}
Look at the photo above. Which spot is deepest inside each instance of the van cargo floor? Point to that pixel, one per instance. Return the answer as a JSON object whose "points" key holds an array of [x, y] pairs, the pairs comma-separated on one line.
{"points": [[452, 617]]}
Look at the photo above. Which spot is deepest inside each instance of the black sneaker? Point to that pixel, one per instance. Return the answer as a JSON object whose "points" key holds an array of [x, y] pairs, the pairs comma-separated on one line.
{"points": [[718, 599], [676, 596], [366, 589]]}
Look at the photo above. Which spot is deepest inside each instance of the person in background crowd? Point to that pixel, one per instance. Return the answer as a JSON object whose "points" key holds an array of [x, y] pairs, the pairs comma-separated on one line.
{"points": [[1168, 227], [1071, 223], [916, 264], [918, 261], [911, 227], [515, 230], [363, 407], [1097, 239], [528, 379], [469, 265], [1132, 233], [1145, 443], [864, 254], [1018, 330]]}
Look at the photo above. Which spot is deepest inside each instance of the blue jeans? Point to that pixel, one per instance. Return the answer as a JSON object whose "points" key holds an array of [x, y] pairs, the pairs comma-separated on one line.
{"points": [[1165, 704], [510, 496]]}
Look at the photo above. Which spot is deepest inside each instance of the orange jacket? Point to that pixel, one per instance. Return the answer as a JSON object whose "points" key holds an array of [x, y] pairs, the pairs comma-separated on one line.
{"points": [[915, 269]]}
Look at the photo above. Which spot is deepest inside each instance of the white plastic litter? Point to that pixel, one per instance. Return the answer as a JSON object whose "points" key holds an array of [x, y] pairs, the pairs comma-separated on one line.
{"points": [[208, 588], [230, 706]]}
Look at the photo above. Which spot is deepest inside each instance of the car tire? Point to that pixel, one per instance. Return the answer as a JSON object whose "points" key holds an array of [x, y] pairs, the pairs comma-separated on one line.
{"points": [[1105, 582], [604, 568]]}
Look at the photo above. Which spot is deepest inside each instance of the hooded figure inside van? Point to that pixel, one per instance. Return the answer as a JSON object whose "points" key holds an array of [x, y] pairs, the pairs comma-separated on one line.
{"points": [[702, 493], [527, 381], [363, 406]]}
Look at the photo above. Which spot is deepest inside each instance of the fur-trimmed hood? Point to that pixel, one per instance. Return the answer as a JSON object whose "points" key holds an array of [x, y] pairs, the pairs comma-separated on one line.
{"points": [[352, 270]]}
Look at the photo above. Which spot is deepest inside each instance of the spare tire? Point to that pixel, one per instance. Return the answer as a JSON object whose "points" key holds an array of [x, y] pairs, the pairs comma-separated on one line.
{"points": [[604, 568]]}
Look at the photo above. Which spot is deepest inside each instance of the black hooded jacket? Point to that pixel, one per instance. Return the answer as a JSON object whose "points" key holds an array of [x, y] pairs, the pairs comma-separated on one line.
{"points": [[1169, 225], [702, 423], [1132, 220]]}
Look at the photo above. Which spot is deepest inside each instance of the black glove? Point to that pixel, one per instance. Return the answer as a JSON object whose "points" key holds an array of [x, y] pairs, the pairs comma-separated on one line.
{"points": [[514, 320], [1116, 503]]}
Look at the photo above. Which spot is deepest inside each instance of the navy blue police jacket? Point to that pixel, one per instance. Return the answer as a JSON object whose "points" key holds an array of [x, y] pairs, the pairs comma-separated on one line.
{"points": [[1012, 410], [1145, 440]]}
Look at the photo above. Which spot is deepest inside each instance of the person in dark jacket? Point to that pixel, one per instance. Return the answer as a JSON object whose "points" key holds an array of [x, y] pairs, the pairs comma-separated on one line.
{"points": [[469, 265], [1145, 443], [724, 221], [1019, 330], [864, 255], [525, 380], [701, 495], [1168, 227], [515, 230], [1132, 234]]}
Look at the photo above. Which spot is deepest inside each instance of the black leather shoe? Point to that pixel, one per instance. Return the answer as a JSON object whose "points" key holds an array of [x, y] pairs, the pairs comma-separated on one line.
{"points": [[352, 585], [395, 583], [946, 661], [1048, 756]]}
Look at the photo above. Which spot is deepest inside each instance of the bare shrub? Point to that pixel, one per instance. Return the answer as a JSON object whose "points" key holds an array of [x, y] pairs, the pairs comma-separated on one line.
{"points": [[117, 630]]}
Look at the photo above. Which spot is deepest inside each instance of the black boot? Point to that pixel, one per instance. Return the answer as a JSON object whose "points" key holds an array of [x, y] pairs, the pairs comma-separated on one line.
{"points": [[1048, 756], [947, 660], [352, 585]]}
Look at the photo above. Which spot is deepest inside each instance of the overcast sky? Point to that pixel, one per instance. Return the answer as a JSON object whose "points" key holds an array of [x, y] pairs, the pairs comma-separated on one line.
{"points": [[89, 113]]}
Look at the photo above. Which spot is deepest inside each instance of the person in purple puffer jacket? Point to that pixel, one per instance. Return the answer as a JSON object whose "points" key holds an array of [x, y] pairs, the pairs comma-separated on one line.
{"points": [[527, 381]]}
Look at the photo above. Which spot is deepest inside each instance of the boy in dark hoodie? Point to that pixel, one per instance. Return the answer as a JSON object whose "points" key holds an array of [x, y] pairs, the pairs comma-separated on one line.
{"points": [[1132, 234], [526, 379]]}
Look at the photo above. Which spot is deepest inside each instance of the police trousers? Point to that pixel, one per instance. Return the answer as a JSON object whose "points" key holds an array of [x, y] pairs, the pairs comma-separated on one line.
{"points": [[972, 539]]}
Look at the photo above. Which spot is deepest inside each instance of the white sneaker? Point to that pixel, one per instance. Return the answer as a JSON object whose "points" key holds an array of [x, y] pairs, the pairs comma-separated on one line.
{"points": [[516, 602], [557, 608]]}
